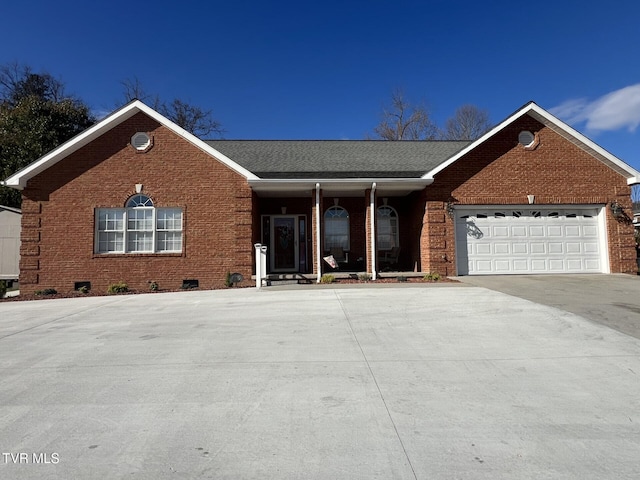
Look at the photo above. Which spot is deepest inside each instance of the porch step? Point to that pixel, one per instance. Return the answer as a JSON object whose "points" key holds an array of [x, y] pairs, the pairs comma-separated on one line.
{"points": [[287, 279], [275, 283]]}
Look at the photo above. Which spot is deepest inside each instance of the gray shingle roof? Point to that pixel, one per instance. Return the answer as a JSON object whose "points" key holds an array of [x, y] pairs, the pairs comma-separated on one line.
{"points": [[337, 158]]}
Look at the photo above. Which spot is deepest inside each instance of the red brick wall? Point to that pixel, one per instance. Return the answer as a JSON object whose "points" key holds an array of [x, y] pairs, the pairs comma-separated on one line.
{"points": [[501, 171], [59, 206]]}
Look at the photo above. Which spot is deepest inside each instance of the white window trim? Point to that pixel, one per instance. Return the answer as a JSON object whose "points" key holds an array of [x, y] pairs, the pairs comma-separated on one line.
{"points": [[396, 236], [126, 232], [347, 220]]}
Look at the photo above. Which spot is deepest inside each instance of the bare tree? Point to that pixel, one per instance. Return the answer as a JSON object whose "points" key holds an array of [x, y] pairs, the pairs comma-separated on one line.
{"points": [[635, 197], [405, 121], [190, 117], [468, 123], [133, 89], [18, 82]]}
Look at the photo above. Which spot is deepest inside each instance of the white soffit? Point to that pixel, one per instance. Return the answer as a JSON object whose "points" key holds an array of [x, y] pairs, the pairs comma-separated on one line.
{"points": [[19, 180], [337, 186], [561, 128]]}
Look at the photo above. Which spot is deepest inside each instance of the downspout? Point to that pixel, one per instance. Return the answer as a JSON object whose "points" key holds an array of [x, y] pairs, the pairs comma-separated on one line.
{"points": [[372, 208], [318, 250]]}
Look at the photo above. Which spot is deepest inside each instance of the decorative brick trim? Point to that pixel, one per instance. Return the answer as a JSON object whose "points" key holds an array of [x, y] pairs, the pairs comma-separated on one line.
{"points": [[28, 278]]}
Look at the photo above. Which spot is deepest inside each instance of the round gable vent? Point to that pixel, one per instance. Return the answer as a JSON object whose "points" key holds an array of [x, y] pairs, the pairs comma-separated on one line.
{"points": [[526, 138], [141, 141]]}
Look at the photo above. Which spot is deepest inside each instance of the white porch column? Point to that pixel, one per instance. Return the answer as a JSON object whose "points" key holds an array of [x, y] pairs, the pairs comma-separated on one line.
{"points": [[261, 263], [372, 209], [318, 247]]}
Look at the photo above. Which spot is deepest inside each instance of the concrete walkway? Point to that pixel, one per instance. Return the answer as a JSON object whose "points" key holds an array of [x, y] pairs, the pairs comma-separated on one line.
{"points": [[446, 382]]}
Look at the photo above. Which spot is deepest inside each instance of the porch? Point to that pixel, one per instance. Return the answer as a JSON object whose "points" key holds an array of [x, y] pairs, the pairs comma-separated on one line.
{"points": [[332, 230], [274, 279]]}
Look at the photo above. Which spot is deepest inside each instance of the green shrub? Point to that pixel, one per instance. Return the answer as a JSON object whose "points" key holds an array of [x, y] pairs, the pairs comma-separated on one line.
{"points": [[364, 277], [432, 277], [119, 287], [326, 278], [46, 291], [84, 289], [402, 278], [227, 280], [153, 286], [3, 288]]}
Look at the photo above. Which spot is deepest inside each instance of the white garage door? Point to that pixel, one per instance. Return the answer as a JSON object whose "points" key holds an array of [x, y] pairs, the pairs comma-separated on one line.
{"points": [[522, 240]]}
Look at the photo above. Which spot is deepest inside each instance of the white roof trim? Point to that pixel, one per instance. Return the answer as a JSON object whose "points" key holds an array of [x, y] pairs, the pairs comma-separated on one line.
{"points": [[558, 126], [342, 182], [10, 209], [289, 185], [19, 180]]}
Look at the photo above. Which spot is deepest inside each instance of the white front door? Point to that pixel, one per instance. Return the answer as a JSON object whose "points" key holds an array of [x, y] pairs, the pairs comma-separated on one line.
{"points": [[528, 239]]}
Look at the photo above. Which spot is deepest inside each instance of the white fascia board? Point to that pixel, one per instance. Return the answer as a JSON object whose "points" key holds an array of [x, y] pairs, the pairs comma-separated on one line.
{"points": [[19, 179], [560, 127], [633, 180], [300, 184], [584, 142], [196, 141], [11, 209], [479, 141]]}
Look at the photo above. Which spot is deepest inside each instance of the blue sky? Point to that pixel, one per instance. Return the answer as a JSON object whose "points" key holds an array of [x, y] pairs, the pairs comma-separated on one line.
{"points": [[324, 70]]}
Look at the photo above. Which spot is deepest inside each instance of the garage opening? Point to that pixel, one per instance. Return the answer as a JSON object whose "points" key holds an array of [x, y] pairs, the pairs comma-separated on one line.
{"points": [[498, 240]]}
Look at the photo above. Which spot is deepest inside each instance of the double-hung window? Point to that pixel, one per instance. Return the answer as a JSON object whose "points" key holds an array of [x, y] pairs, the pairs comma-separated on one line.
{"points": [[387, 220], [138, 228], [336, 228]]}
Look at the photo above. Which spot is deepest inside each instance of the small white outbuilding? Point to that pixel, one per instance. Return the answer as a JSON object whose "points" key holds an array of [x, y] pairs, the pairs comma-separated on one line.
{"points": [[9, 243]]}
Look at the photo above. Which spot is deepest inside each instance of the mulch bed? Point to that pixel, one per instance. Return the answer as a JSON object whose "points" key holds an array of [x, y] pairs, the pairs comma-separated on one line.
{"points": [[340, 281], [76, 294], [395, 280]]}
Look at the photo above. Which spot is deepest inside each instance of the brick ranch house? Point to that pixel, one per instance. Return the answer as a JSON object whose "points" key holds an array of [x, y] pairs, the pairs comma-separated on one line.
{"points": [[135, 198]]}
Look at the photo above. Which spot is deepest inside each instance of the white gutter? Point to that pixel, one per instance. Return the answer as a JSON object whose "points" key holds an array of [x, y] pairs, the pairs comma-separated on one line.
{"points": [[633, 180], [318, 250], [19, 179], [289, 185], [372, 208]]}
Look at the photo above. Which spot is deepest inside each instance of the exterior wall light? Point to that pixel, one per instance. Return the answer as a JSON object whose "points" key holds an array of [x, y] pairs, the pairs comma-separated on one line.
{"points": [[451, 212], [617, 210]]}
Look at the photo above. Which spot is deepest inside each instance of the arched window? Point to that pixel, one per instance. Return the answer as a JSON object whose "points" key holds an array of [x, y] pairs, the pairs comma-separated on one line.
{"points": [[138, 228], [387, 226], [336, 228], [139, 201], [140, 224]]}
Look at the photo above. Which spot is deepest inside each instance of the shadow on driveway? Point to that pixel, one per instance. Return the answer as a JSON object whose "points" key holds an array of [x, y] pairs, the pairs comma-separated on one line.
{"points": [[611, 300]]}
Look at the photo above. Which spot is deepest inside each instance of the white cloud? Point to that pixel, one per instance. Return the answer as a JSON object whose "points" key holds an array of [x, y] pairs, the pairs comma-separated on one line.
{"points": [[100, 114], [613, 111]]}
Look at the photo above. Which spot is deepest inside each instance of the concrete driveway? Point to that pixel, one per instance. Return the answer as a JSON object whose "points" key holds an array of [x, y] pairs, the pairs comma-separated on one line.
{"points": [[611, 300], [442, 382]]}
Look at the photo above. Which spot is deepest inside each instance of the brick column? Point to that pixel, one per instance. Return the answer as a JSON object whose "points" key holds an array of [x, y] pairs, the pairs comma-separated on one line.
{"points": [[315, 229], [30, 236], [437, 240], [367, 225]]}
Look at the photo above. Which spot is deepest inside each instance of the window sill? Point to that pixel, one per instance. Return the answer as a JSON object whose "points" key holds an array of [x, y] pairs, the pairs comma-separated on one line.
{"points": [[138, 255]]}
